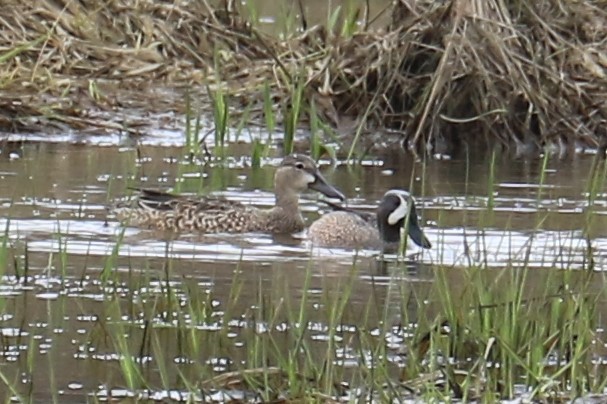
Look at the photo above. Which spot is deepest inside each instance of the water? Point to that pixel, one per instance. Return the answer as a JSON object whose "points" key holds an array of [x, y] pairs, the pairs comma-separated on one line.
{"points": [[64, 190], [59, 299]]}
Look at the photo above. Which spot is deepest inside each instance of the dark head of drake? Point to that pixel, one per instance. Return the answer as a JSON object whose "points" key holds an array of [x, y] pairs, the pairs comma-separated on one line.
{"points": [[396, 207]]}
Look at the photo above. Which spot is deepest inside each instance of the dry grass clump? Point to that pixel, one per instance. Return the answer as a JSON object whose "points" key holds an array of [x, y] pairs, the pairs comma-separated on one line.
{"points": [[81, 64], [529, 74]]}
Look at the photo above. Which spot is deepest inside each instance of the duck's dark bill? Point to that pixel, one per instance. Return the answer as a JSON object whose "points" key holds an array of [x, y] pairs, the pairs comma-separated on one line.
{"points": [[418, 236], [321, 185]]}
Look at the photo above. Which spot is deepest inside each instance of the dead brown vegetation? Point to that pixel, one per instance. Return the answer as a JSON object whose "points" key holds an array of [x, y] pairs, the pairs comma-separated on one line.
{"points": [[442, 73]]}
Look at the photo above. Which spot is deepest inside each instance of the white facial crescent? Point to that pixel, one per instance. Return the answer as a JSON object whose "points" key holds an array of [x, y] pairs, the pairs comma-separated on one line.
{"points": [[400, 212], [309, 178]]}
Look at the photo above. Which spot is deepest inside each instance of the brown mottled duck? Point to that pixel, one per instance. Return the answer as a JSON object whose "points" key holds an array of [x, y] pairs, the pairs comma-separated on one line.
{"points": [[214, 214]]}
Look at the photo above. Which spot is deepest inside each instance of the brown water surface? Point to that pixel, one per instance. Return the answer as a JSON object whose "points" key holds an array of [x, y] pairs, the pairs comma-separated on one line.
{"points": [[56, 290]]}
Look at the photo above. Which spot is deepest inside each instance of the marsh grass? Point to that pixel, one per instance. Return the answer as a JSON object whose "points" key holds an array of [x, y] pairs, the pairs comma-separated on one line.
{"points": [[4, 249], [446, 83], [539, 338], [11, 385], [259, 151], [268, 109], [317, 147], [220, 118], [292, 111], [192, 129], [476, 333]]}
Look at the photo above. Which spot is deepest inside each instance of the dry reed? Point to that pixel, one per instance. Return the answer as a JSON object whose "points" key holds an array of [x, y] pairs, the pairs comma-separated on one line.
{"points": [[440, 74]]}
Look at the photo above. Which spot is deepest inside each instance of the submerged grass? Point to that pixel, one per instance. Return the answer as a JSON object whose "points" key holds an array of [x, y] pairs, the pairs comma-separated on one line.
{"points": [[475, 333]]}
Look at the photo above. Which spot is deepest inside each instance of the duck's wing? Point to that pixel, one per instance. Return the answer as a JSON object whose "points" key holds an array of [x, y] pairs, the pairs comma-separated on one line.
{"points": [[366, 216], [164, 201]]}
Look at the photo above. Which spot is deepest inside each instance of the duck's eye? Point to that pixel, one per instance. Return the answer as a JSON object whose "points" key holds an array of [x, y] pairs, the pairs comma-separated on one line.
{"points": [[299, 165]]}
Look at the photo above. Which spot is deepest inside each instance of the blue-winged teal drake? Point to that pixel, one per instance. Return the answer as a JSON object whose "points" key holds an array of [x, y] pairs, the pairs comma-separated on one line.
{"points": [[347, 228], [214, 214]]}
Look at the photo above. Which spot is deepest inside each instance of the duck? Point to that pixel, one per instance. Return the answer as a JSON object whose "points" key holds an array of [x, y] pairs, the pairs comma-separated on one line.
{"points": [[297, 173], [348, 228]]}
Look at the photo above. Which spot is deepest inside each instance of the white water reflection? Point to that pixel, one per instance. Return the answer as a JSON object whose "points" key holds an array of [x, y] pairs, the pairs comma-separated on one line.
{"points": [[167, 137], [56, 198], [451, 247]]}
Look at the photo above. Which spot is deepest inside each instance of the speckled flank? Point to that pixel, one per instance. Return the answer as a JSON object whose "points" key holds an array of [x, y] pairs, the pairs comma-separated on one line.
{"points": [[347, 228], [187, 219], [344, 229], [211, 214]]}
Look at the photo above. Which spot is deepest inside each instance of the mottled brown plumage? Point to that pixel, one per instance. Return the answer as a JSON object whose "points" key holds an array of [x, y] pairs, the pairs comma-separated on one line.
{"points": [[213, 214], [344, 229]]}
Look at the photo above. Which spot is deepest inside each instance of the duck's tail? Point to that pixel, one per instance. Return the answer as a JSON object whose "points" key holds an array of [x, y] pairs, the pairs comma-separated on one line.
{"points": [[145, 200]]}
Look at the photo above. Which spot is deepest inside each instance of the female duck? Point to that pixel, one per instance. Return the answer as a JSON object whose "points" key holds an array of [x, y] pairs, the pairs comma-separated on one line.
{"points": [[213, 214], [347, 228]]}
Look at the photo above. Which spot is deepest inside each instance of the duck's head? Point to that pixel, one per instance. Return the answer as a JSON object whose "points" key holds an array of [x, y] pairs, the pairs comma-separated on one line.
{"points": [[394, 208], [298, 173]]}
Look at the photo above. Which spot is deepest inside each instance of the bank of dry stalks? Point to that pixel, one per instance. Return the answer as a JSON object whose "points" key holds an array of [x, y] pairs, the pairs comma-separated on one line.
{"points": [[440, 73]]}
